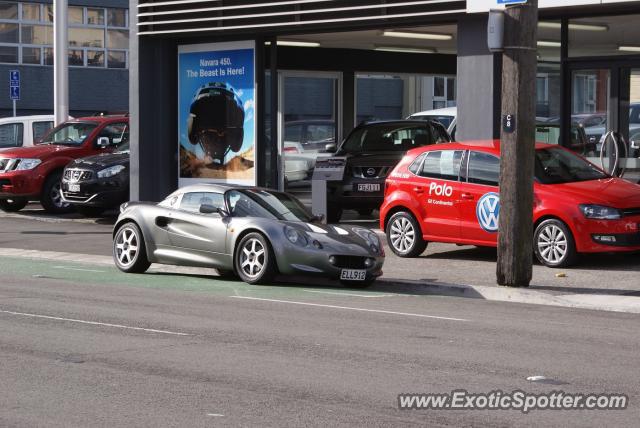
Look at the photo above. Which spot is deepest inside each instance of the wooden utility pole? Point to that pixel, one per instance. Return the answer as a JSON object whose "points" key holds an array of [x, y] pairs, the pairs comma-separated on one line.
{"points": [[515, 242]]}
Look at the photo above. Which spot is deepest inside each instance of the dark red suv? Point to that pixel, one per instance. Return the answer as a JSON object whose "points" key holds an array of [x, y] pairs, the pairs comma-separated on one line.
{"points": [[32, 173]]}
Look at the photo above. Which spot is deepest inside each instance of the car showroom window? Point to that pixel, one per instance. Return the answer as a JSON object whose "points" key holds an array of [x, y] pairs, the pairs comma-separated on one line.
{"points": [[442, 164], [483, 169], [192, 201], [11, 135]]}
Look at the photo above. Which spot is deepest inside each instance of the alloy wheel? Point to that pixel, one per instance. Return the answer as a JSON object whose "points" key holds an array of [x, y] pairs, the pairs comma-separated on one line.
{"points": [[552, 244], [402, 234], [252, 258], [56, 197], [127, 244]]}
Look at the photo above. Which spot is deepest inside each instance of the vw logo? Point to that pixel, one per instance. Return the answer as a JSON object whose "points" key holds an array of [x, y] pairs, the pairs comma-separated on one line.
{"points": [[371, 172], [488, 211]]}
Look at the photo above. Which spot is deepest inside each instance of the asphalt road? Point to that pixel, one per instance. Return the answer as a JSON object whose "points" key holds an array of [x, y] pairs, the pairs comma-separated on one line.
{"points": [[85, 345]]}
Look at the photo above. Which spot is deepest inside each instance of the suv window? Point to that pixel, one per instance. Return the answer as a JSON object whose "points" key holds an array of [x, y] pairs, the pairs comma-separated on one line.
{"points": [[442, 164], [39, 129], [11, 135], [191, 201], [117, 133], [483, 169]]}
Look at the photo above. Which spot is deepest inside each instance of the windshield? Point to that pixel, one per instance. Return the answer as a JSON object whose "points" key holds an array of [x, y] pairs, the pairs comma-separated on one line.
{"points": [[123, 148], [444, 120], [267, 204], [71, 134], [387, 137], [555, 166]]}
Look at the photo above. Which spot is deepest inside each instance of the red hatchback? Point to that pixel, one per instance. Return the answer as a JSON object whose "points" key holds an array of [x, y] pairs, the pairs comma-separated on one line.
{"points": [[449, 193]]}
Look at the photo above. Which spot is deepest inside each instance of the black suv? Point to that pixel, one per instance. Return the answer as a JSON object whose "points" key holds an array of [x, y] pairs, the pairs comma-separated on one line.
{"points": [[371, 151], [96, 183]]}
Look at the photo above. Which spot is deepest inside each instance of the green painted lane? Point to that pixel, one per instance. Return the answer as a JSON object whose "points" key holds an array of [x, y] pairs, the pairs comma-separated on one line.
{"points": [[22, 269]]}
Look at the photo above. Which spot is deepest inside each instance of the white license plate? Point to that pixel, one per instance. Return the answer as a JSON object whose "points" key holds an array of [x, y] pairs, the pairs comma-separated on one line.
{"points": [[353, 274], [368, 187], [75, 188]]}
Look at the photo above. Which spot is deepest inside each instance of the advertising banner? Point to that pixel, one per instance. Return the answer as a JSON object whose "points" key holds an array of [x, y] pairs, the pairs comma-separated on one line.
{"points": [[216, 113]]}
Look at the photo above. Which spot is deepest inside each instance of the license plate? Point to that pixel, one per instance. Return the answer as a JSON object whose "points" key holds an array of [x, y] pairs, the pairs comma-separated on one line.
{"points": [[353, 274], [75, 188], [368, 187]]}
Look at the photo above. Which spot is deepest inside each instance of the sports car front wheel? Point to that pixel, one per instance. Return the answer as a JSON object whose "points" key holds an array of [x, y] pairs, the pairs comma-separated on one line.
{"points": [[129, 252], [254, 259]]}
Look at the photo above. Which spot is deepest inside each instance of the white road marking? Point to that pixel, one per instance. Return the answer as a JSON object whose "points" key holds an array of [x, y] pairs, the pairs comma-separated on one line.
{"points": [[150, 330], [337, 293], [78, 269], [379, 311], [215, 414]]}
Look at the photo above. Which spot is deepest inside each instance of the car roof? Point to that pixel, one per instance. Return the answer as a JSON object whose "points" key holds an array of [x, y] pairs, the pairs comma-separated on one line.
{"points": [[488, 146], [23, 118], [101, 118], [393, 122], [217, 188], [447, 111]]}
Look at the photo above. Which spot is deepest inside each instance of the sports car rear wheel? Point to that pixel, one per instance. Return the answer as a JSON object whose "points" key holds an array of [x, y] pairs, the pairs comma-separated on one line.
{"points": [[404, 235], [254, 259], [129, 252]]}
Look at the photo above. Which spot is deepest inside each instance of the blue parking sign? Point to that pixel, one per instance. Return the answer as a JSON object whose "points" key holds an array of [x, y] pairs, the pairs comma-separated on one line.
{"points": [[14, 77], [14, 92], [511, 1]]}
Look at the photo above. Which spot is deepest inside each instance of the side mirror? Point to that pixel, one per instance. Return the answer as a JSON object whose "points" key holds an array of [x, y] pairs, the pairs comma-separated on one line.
{"points": [[208, 209], [103, 142], [223, 213], [331, 147]]}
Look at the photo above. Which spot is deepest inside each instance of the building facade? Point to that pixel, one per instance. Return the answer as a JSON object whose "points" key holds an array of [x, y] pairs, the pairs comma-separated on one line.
{"points": [[343, 62], [98, 55]]}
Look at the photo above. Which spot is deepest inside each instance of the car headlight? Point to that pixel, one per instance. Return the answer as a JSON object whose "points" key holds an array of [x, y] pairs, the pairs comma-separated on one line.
{"points": [[369, 236], [600, 212], [111, 171], [295, 236], [27, 164]]}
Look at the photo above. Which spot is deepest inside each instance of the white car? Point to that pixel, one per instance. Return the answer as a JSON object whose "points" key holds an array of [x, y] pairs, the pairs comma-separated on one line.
{"points": [[446, 116], [296, 167], [24, 131]]}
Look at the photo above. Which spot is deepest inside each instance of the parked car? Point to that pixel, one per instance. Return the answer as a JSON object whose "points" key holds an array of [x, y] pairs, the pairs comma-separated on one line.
{"points": [[23, 131], [446, 116], [371, 151], [96, 183], [304, 142], [449, 193], [30, 173], [595, 133], [550, 133], [250, 232]]}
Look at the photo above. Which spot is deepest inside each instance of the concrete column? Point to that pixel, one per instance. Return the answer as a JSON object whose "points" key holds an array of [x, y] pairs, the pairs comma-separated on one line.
{"points": [[60, 62], [479, 82]]}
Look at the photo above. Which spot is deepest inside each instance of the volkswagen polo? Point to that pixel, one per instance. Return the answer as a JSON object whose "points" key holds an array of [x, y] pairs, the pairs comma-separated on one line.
{"points": [[449, 193]]}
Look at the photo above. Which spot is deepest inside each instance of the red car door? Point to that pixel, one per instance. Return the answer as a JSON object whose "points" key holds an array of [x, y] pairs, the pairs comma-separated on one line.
{"points": [[479, 199], [437, 188]]}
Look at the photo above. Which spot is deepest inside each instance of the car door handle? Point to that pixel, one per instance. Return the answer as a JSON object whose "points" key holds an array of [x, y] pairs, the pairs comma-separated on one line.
{"points": [[467, 196], [418, 189]]}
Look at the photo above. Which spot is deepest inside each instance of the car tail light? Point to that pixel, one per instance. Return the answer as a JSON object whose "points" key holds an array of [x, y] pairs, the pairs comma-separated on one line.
{"points": [[291, 150]]}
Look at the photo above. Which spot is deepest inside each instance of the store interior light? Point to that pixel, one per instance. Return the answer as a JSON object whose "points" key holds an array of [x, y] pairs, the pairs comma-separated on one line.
{"points": [[416, 35], [549, 44], [629, 48], [296, 43], [574, 26], [403, 49]]}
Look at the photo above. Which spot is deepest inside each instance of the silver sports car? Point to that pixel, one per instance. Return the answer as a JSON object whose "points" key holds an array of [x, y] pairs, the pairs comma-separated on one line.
{"points": [[250, 232]]}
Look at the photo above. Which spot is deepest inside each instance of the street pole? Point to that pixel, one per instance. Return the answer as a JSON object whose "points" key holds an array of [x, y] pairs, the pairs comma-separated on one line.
{"points": [[515, 241], [60, 62], [14, 108]]}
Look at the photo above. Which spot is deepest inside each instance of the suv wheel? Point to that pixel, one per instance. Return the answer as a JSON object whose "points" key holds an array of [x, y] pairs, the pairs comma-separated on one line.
{"points": [[51, 199], [553, 244], [12, 205], [404, 235]]}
